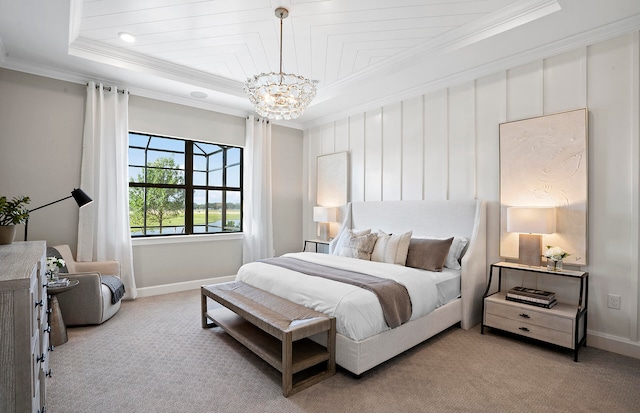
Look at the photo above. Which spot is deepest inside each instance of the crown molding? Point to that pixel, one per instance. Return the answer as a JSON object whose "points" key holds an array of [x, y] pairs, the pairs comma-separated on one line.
{"points": [[112, 56]]}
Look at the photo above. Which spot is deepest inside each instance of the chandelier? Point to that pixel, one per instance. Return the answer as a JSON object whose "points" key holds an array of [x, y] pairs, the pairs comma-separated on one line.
{"points": [[280, 95]]}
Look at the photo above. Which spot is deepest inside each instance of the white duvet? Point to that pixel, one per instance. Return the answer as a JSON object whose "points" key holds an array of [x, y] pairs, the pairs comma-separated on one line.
{"points": [[357, 311]]}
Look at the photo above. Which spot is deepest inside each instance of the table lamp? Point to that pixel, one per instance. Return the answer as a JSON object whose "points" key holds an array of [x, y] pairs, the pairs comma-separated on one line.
{"points": [[324, 215], [78, 195], [530, 222]]}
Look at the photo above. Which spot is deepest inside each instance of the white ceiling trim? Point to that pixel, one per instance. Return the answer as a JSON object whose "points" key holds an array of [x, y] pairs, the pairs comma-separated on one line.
{"points": [[585, 39], [91, 50], [518, 14]]}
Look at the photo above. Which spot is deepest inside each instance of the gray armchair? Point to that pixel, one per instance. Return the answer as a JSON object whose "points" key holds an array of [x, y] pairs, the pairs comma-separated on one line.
{"points": [[91, 301]]}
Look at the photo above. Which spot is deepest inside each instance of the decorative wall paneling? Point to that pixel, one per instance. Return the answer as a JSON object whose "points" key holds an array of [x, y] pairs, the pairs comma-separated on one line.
{"points": [[450, 149]]}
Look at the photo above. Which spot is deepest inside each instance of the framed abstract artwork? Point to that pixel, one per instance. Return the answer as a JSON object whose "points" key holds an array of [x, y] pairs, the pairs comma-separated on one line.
{"points": [[333, 184], [543, 163]]}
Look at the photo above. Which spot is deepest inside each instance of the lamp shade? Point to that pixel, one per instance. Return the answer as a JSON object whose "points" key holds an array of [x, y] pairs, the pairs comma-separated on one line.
{"points": [[81, 197], [531, 220], [324, 214]]}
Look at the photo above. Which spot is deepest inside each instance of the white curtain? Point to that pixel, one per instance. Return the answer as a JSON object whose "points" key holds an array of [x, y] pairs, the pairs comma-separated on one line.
{"points": [[103, 230], [257, 217]]}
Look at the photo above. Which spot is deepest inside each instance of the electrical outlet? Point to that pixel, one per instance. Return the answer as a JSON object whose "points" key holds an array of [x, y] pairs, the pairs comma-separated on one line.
{"points": [[613, 301]]}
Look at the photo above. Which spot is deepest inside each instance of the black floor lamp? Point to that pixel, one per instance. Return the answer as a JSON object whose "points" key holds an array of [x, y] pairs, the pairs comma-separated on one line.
{"points": [[78, 194]]}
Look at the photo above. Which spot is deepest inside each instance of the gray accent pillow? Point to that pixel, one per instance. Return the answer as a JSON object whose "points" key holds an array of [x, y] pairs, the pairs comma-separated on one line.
{"points": [[428, 254], [357, 247]]}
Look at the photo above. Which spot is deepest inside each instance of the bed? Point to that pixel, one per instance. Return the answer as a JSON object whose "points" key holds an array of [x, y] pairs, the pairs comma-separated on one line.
{"points": [[439, 299]]}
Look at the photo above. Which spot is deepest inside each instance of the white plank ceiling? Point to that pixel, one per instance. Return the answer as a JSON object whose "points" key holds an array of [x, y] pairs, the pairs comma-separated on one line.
{"points": [[360, 51]]}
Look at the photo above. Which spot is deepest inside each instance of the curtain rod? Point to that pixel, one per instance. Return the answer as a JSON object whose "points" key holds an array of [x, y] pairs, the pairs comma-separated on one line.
{"points": [[260, 119], [108, 88]]}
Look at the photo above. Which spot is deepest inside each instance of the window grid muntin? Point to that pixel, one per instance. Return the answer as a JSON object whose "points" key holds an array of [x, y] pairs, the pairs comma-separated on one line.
{"points": [[188, 186]]}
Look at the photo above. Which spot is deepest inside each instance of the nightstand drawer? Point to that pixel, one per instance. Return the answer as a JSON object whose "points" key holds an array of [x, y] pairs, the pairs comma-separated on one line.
{"points": [[528, 314], [561, 338]]}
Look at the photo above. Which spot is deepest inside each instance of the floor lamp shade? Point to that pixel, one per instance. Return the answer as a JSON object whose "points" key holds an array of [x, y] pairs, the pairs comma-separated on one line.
{"points": [[81, 197], [324, 215], [530, 222]]}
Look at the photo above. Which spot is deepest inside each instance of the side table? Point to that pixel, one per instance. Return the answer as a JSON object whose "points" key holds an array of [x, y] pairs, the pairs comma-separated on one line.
{"points": [[56, 323], [316, 242]]}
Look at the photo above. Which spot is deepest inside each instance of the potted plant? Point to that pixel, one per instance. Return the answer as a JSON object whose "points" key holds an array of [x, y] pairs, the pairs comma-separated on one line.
{"points": [[12, 212]]}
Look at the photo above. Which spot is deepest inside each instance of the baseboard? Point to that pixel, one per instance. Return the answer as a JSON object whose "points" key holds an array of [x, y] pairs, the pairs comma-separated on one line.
{"points": [[614, 344], [181, 286]]}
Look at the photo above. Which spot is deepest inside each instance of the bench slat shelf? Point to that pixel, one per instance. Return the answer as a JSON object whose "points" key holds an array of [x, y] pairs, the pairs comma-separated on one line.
{"points": [[263, 323]]}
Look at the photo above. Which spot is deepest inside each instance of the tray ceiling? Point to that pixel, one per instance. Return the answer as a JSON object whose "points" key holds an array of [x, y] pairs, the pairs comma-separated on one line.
{"points": [[360, 51]]}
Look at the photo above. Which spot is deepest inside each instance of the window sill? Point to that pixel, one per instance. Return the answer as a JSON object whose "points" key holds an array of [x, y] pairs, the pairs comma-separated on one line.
{"points": [[184, 239]]}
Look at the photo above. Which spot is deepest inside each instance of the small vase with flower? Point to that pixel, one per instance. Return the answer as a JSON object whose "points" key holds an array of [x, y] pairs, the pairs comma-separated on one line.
{"points": [[53, 267], [554, 256]]}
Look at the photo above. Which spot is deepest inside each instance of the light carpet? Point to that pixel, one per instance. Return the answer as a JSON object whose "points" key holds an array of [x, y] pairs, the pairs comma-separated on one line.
{"points": [[153, 356]]}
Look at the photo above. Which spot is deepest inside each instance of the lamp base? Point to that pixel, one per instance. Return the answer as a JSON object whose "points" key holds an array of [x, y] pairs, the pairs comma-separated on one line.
{"points": [[529, 249], [324, 231]]}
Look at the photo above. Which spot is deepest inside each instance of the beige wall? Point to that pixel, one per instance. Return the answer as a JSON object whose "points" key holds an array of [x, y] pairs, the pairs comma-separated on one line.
{"points": [[41, 122], [445, 145]]}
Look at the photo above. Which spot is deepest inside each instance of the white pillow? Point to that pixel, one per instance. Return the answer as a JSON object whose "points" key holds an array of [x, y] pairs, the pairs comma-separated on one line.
{"points": [[345, 235], [391, 249], [455, 251], [357, 247]]}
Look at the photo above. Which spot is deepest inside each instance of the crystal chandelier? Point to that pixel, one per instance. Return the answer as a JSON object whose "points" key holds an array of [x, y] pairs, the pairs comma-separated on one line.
{"points": [[280, 95]]}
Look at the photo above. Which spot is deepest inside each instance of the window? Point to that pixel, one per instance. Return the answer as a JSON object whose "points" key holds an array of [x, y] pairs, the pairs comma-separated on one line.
{"points": [[178, 186]]}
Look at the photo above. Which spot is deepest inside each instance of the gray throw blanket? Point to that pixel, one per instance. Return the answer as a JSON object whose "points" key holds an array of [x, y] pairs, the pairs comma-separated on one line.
{"points": [[115, 285], [394, 298]]}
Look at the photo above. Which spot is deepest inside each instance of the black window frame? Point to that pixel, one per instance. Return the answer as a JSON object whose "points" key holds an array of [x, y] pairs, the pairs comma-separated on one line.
{"points": [[189, 187]]}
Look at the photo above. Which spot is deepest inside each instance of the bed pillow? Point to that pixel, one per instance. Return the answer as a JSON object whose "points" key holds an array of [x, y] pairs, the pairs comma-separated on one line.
{"points": [[345, 235], [428, 254], [391, 249], [357, 247], [455, 253]]}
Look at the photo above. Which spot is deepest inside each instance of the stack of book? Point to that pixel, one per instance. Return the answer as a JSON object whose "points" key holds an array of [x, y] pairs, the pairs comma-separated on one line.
{"points": [[532, 296], [60, 282]]}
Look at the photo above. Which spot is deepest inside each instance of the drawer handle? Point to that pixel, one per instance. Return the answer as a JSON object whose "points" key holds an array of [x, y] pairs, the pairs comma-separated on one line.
{"points": [[49, 373], [523, 328], [47, 330], [523, 315], [39, 303], [51, 347], [40, 359]]}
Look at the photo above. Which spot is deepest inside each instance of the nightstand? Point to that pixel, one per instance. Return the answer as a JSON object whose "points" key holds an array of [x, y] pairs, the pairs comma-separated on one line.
{"points": [[316, 242], [564, 325]]}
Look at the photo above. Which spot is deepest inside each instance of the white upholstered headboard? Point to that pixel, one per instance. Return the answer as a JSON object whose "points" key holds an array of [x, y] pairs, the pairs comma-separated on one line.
{"points": [[436, 219]]}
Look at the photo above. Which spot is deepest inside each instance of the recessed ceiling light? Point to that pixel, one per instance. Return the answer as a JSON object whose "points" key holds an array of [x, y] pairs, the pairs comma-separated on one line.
{"points": [[127, 37], [199, 95]]}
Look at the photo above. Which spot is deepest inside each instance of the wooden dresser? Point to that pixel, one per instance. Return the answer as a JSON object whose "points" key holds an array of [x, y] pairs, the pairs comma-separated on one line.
{"points": [[24, 330]]}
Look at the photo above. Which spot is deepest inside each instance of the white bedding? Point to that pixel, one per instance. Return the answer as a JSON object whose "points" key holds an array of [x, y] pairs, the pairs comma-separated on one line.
{"points": [[357, 311]]}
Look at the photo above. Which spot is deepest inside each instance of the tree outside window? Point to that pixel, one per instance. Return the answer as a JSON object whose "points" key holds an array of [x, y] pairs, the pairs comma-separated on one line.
{"points": [[179, 186]]}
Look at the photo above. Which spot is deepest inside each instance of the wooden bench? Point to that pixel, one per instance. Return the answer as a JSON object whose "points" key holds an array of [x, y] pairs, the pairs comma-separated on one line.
{"points": [[276, 330]]}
